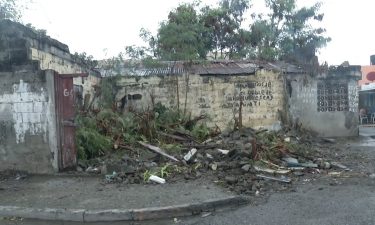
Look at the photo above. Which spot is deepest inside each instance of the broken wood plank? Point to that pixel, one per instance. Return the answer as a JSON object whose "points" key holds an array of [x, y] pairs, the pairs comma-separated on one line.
{"points": [[272, 171], [281, 179], [158, 151]]}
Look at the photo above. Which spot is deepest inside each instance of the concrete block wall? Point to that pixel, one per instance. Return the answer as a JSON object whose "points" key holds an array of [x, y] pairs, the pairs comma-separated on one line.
{"points": [[27, 122], [327, 105], [62, 64], [218, 97]]}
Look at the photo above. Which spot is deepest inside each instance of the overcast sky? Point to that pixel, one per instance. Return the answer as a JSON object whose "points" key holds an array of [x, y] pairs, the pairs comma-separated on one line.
{"points": [[103, 28]]}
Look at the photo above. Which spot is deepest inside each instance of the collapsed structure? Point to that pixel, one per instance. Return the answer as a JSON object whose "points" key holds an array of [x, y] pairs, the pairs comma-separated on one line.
{"points": [[40, 82], [250, 93]]}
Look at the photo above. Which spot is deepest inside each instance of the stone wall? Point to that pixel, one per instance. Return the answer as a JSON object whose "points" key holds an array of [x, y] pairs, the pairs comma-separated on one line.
{"points": [[27, 121], [219, 97], [326, 104]]}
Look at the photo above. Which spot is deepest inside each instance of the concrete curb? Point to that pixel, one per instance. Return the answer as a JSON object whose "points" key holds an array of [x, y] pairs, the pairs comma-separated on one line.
{"points": [[83, 215]]}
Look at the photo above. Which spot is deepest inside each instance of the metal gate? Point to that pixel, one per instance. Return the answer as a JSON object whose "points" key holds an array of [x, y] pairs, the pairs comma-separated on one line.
{"points": [[65, 114]]}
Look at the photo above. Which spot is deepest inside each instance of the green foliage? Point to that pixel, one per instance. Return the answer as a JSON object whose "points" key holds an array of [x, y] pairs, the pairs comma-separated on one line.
{"points": [[85, 60], [193, 32], [98, 133], [167, 116], [180, 38], [90, 143], [10, 9], [286, 33], [162, 172], [201, 132], [107, 92], [224, 28]]}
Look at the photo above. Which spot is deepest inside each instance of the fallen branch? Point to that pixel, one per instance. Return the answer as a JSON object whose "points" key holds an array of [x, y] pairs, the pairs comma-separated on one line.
{"points": [[158, 151], [175, 137]]}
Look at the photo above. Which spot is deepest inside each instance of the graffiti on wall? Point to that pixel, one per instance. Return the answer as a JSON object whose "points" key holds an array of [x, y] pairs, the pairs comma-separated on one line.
{"points": [[333, 96], [251, 94]]}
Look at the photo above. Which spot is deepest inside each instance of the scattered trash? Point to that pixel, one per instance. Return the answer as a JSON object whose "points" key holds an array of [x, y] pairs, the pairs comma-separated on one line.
{"points": [[224, 152], [111, 177], [329, 140], [287, 139], [309, 165], [157, 179], [267, 170], [283, 179], [190, 154], [296, 168], [214, 166], [206, 214], [246, 167], [334, 173], [158, 150], [327, 165], [207, 141], [339, 166], [298, 173], [272, 164], [20, 176], [291, 162], [92, 170]]}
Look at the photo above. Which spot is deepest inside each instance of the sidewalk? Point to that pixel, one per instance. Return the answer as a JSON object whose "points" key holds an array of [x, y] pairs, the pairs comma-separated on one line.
{"points": [[73, 198]]}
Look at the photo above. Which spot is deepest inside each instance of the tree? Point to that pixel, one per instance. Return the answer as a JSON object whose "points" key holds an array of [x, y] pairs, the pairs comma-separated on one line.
{"points": [[181, 37], [224, 28], [9, 10], [286, 33]]}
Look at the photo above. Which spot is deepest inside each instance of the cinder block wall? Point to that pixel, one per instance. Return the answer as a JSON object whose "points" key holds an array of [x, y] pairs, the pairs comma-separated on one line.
{"points": [[327, 105], [27, 121], [218, 97]]}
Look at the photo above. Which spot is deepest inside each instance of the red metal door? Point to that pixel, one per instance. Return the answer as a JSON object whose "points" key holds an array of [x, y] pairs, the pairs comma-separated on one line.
{"points": [[65, 121]]}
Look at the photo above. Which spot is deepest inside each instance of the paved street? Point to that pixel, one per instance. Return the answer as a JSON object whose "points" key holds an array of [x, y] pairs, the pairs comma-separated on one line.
{"points": [[346, 199]]}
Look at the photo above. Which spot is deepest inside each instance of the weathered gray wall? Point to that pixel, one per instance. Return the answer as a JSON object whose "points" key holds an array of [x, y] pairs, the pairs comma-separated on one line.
{"points": [[27, 121], [215, 96], [21, 45], [326, 104]]}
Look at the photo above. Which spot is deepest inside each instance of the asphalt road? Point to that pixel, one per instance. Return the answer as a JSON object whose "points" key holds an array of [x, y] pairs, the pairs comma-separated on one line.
{"points": [[326, 201], [346, 200]]}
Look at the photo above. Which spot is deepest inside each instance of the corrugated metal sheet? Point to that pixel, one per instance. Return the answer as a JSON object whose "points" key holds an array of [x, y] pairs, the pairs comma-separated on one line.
{"points": [[223, 67]]}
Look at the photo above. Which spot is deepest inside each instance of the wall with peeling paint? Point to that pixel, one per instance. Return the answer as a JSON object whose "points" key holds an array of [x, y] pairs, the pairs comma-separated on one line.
{"points": [[326, 103], [21, 45], [27, 121], [219, 97]]}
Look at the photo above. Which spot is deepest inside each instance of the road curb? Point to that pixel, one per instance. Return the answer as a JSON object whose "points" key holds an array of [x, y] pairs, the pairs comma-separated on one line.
{"points": [[84, 215]]}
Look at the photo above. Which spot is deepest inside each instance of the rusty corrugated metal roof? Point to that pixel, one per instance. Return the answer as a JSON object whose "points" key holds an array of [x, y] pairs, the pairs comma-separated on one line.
{"points": [[219, 67], [225, 68]]}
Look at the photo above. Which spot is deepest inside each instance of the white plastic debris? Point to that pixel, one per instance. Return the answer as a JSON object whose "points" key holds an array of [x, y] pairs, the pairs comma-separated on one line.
{"points": [[224, 152], [157, 179], [190, 154]]}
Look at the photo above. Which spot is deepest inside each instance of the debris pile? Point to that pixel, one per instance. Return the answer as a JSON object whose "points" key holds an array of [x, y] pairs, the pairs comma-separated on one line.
{"points": [[162, 145]]}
